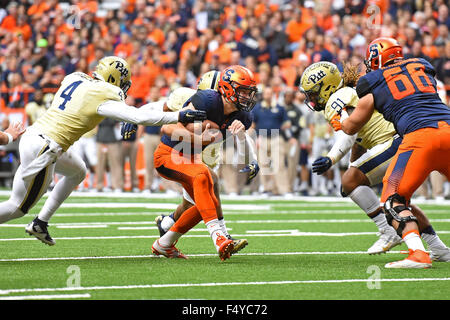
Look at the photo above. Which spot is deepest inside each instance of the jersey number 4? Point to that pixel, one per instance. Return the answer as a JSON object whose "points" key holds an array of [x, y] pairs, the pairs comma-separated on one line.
{"points": [[66, 94], [395, 79]]}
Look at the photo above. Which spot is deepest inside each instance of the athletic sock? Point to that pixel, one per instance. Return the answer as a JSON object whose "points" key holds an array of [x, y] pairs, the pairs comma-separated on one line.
{"points": [[223, 227], [432, 239], [169, 238], [413, 241], [381, 222], [167, 222], [214, 230]]}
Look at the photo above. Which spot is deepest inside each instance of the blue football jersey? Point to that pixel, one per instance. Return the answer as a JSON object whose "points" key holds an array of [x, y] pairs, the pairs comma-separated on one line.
{"points": [[405, 93], [211, 102]]}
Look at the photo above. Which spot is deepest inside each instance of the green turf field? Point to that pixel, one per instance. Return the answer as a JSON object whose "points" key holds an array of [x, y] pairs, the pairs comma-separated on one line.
{"points": [[297, 250]]}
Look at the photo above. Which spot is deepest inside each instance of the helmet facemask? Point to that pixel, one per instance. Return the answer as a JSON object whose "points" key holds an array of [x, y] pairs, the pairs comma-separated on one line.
{"points": [[245, 96], [313, 99]]}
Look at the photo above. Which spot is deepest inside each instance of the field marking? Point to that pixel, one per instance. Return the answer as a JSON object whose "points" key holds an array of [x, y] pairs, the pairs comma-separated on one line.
{"points": [[240, 207], [75, 225], [192, 255], [227, 213], [214, 284], [82, 226], [47, 297], [292, 234], [176, 197]]}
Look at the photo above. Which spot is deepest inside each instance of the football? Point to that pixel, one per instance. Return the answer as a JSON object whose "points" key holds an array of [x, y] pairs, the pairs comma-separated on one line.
{"points": [[196, 126]]}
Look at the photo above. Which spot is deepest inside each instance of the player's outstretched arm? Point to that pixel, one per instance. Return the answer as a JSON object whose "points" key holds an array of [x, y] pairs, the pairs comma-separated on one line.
{"points": [[15, 130], [122, 112], [360, 116]]}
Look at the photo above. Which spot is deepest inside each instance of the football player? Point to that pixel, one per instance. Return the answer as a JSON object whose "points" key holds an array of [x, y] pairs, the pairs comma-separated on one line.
{"points": [[373, 148], [79, 105], [210, 156], [404, 92], [228, 109]]}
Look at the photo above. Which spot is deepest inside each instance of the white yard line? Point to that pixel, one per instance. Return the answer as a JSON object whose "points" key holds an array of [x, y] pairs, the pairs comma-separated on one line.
{"points": [[47, 297], [292, 234], [191, 255], [214, 284], [239, 207]]}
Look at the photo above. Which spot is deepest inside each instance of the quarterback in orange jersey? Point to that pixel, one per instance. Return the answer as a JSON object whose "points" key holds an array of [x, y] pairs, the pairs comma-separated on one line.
{"points": [[404, 91], [181, 162]]}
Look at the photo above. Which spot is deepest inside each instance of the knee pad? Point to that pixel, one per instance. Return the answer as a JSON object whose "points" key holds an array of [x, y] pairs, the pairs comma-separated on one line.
{"points": [[392, 213]]}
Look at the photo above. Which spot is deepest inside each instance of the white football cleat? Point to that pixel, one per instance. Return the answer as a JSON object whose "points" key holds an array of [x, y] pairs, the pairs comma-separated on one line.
{"points": [[168, 252], [388, 239], [417, 259], [440, 255], [38, 229]]}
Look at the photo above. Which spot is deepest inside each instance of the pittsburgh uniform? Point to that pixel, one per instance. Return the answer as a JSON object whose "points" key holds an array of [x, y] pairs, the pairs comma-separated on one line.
{"points": [[377, 136], [78, 106]]}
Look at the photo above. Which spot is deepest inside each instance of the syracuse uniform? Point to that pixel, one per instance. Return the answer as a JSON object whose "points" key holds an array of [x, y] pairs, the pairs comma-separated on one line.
{"points": [[181, 161], [405, 93]]}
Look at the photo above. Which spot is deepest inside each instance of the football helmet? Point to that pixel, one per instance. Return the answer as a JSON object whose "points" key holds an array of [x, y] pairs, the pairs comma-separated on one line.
{"points": [[319, 81], [114, 70], [380, 52], [209, 80], [237, 85]]}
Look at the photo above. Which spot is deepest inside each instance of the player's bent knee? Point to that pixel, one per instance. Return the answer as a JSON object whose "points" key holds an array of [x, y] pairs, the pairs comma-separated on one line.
{"points": [[392, 212]]}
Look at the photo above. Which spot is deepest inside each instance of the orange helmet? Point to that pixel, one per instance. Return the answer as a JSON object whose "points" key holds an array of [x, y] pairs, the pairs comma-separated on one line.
{"points": [[381, 51], [237, 85]]}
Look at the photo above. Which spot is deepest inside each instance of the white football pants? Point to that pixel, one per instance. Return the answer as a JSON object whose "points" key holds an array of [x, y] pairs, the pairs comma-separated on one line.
{"points": [[25, 193]]}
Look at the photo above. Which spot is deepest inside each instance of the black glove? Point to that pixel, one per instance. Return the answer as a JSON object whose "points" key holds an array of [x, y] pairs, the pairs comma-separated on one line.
{"points": [[188, 115], [321, 165], [253, 169], [128, 131]]}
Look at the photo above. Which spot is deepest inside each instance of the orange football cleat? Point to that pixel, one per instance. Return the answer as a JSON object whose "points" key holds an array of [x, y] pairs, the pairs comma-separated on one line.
{"points": [[417, 259], [225, 246]]}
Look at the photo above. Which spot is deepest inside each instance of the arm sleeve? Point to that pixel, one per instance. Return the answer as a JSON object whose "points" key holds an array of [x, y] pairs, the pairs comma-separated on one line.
{"points": [[343, 144], [243, 145], [145, 115]]}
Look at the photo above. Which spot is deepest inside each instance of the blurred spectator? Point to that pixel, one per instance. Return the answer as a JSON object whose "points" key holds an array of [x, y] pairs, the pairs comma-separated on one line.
{"points": [[109, 153], [129, 151], [292, 135], [269, 120], [35, 108], [151, 141]]}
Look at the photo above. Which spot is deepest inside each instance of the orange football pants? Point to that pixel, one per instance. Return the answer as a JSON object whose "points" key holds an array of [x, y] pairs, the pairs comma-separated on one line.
{"points": [[192, 174], [421, 152]]}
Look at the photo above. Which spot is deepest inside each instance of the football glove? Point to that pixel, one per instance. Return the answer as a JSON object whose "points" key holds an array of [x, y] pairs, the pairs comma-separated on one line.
{"points": [[188, 115], [336, 122], [252, 169], [321, 165], [128, 131]]}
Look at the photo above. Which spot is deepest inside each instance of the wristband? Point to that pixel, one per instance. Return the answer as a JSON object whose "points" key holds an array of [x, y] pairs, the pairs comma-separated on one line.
{"points": [[10, 138]]}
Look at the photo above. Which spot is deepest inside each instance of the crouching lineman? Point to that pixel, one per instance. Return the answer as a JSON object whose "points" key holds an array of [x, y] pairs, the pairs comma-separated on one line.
{"points": [[80, 104], [373, 148], [229, 109]]}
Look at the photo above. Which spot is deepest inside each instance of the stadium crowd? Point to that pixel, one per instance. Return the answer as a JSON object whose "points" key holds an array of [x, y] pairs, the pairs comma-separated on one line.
{"points": [[171, 43]]}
